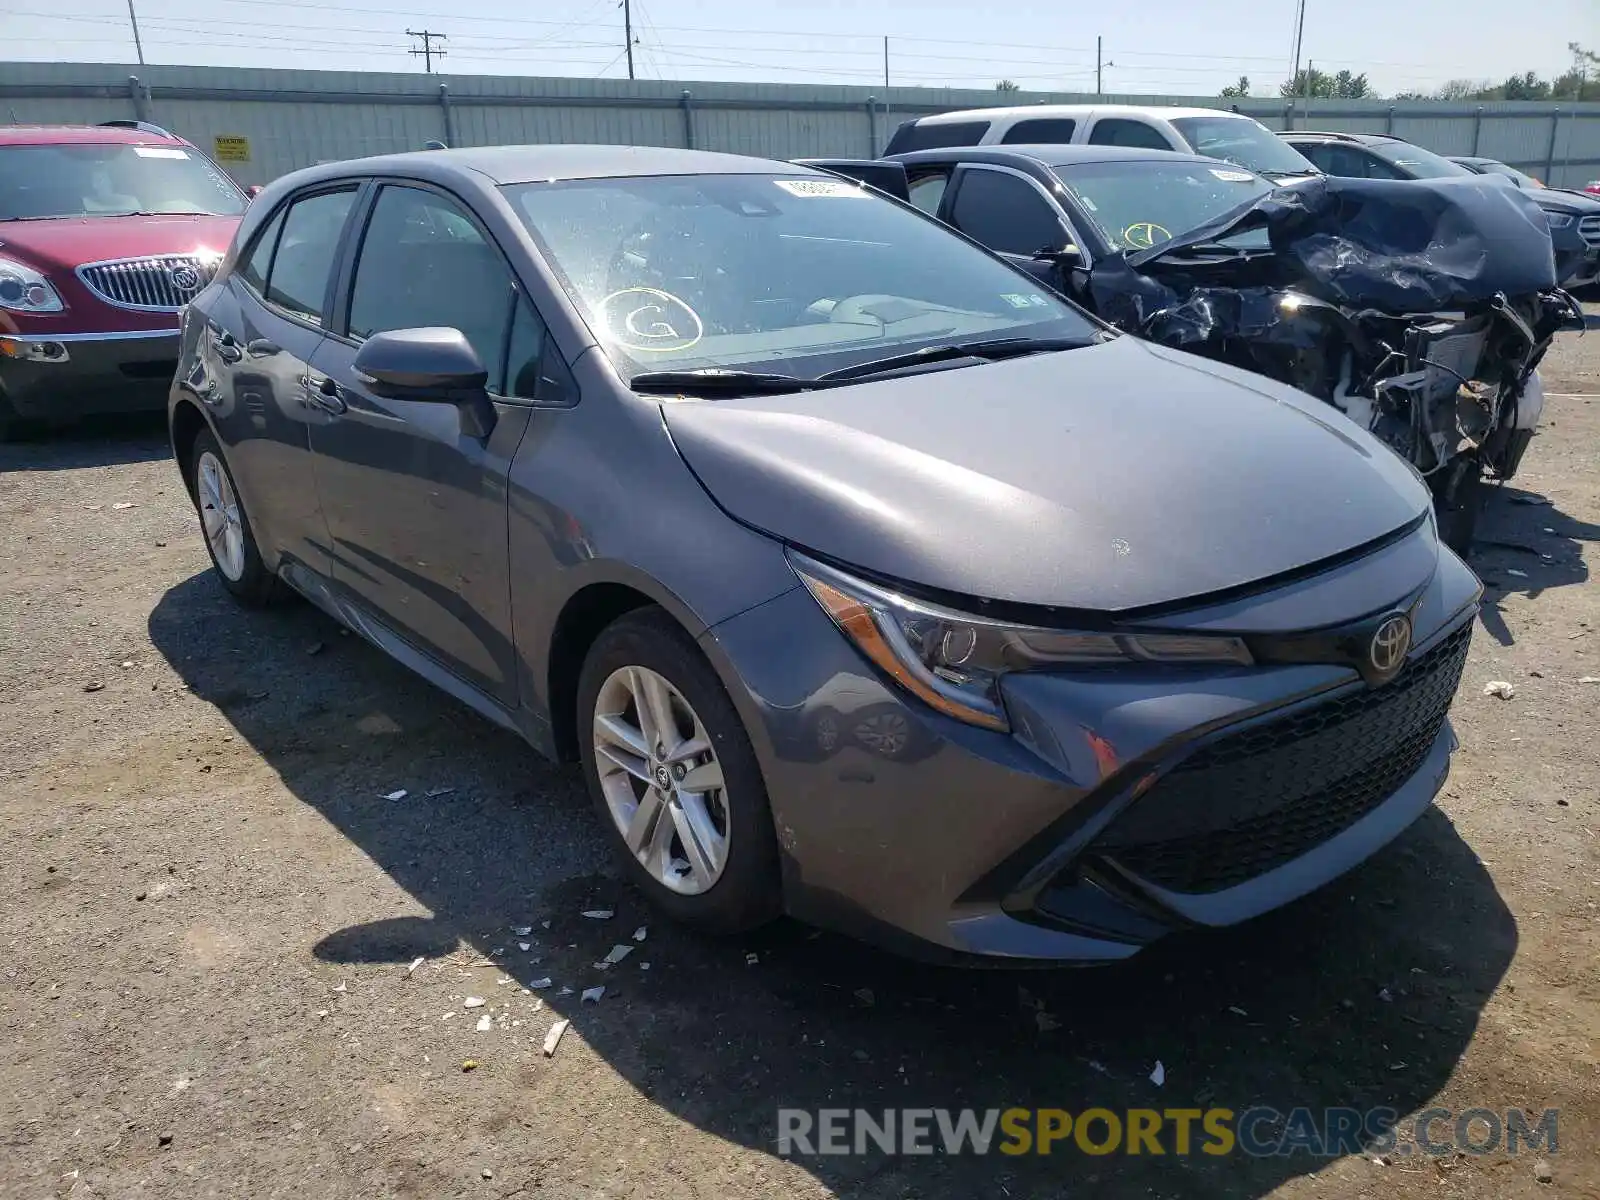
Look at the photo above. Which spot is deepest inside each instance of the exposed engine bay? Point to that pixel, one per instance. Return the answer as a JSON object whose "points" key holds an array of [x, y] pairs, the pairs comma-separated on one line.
{"points": [[1420, 309]]}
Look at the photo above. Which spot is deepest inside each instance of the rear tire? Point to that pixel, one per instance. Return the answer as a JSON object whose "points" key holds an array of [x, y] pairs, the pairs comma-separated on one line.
{"points": [[705, 854], [225, 525]]}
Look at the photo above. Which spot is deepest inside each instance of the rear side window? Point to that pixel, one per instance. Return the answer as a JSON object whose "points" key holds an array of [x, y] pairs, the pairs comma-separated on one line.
{"points": [[1119, 131], [914, 135], [1005, 213], [256, 268], [307, 244], [1043, 131]]}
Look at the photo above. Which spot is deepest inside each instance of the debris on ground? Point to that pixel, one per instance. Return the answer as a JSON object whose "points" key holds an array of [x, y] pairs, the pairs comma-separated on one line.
{"points": [[1542, 1171], [435, 793], [644, 966], [474, 1002], [592, 995], [1499, 687], [470, 1064], [1237, 1011], [524, 946], [865, 996], [1159, 1075], [1517, 573], [1589, 679], [315, 648], [94, 685], [487, 1173], [640, 934], [399, 794], [522, 930], [752, 959], [1045, 1021], [123, 506], [539, 985], [1385, 995], [164, 1139], [618, 952], [485, 1023], [596, 914], [553, 1038]]}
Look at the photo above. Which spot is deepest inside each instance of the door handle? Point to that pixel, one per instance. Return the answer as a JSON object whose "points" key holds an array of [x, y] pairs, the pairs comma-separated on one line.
{"points": [[326, 395], [226, 348], [261, 348]]}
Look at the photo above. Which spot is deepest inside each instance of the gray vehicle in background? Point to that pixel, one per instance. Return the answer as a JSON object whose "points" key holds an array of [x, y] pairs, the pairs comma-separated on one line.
{"points": [[868, 579]]}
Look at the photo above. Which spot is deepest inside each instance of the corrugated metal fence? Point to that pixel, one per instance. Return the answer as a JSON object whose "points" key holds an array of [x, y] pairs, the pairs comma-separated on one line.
{"points": [[262, 123]]}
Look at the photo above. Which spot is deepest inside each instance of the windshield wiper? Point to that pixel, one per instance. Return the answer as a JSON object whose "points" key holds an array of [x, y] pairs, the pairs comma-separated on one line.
{"points": [[715, 379], [1219, 248], [994, 348]]}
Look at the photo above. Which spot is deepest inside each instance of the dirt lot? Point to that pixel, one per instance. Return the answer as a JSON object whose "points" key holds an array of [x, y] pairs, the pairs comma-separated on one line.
{"points": [[211, 906]]}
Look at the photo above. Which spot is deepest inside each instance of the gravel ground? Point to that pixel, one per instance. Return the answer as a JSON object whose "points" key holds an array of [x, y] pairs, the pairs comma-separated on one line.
{"points": [[213, 901]]}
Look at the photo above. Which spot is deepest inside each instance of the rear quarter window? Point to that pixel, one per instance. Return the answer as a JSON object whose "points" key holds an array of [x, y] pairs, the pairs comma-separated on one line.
{"points": [[1042, 131], [916, 136]]}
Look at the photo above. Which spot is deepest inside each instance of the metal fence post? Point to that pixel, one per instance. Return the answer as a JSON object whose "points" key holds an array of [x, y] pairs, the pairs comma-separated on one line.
{"points": [[140, 97], [686, 103], [1388, 122], [449, 117], [872, 127], [1477, 129], [1550, 151]]}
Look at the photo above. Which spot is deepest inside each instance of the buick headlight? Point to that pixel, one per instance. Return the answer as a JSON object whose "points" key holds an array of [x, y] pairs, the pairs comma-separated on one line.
{"points": [[22, 289], [954, 662], [1559, 220]]}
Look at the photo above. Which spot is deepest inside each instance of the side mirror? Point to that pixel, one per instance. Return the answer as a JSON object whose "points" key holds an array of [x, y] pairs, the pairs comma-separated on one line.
{"points": [[253, 190], [436, 365], [1063, 256]]}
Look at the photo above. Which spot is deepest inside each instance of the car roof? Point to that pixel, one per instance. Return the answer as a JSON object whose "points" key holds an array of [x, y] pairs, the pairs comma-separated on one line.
{"points": [[1026, 111], [1336, 135], [1050, 154], [532, 164], [67, 135]]}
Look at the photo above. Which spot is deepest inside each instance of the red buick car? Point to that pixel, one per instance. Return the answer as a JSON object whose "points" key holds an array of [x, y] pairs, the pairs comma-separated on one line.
{"points": [[106, 232]]}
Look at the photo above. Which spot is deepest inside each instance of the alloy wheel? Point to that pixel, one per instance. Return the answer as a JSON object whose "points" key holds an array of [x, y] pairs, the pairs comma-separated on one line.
{"points": [[219, 515], [661, 779]]}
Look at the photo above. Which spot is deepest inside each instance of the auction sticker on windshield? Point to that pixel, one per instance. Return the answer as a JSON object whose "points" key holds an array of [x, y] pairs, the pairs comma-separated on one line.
{"points": [[158, 152], [1232, 176], [813, 189]]}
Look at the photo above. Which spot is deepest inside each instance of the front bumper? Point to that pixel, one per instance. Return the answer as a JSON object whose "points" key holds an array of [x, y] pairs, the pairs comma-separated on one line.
{"points": [[59, 377], [1082, 836]]}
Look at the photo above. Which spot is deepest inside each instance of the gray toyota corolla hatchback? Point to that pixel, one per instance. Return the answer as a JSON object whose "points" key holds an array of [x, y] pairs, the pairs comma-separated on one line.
{"points": [[867, 580]]}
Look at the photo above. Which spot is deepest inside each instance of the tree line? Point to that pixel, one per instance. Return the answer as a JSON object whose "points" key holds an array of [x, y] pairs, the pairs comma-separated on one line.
{"points": [[1580, 81]]}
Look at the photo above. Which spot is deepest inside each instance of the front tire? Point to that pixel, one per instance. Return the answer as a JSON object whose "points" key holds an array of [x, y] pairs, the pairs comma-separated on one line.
{"points": [[1458, 497], [226, 526], [674, 779]]}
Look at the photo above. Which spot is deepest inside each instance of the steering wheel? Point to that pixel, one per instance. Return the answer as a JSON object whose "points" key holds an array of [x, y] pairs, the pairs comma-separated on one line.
{"points": [[1141, 235]]}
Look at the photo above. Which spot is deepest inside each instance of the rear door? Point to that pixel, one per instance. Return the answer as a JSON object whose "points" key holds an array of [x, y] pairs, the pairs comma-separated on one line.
{"points": [[260, 335], [416, 504]]}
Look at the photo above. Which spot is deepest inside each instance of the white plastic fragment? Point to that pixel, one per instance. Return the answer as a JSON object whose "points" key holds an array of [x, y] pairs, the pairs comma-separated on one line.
{"points": [[1517, 573], [539, 985], [524, 946], [644, 966], [341, 987], [123, 506], [522, 930], [1237, 1011], [1499, 687], [553, 1038], [1159, 1075], [415, 963], [485, 1023], [435, 793], [752, 959], [599, 914], [474, 1002], [566, 991], [640, 934], [399, 794], [618, 952], [592, 995], [1590, 679]]}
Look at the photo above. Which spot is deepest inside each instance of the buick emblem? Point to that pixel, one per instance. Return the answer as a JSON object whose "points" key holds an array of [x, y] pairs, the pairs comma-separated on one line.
{"points": [[185, 278], [1389, 645]]}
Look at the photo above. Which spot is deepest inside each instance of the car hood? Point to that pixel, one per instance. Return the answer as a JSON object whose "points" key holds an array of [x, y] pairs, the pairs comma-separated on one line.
{"points": [[1116, 477], [1560, 200], [68, 242]]}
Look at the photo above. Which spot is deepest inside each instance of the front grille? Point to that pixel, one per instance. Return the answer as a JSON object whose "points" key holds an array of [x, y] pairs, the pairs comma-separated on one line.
{"points": [[161, 284], [1589, 231], [1258, 798]]}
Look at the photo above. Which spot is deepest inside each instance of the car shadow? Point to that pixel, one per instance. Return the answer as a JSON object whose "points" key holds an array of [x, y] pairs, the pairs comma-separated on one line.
{"points": [[1364, 995], [1526, 544], [93, 442]]}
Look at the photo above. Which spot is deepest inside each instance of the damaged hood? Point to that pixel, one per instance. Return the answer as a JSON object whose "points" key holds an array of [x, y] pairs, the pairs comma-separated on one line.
{"points": [[1401, 246], [1115, 477]]}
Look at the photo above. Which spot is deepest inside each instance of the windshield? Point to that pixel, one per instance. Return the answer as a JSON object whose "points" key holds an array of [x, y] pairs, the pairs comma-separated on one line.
{"points": [[1141, 203], [111, 179], [1243, 141], [1522, 179], [1416, 162], [771, 273]]}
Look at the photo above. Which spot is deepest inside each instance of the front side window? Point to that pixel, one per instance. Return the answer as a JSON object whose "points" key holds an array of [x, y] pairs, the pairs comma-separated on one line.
{"points": [[799, 275], [1005, 213], [1118, 131], [112, 179], [258, 266], [1141, 203], [304, 260], [1243, 141], [424, 262]]}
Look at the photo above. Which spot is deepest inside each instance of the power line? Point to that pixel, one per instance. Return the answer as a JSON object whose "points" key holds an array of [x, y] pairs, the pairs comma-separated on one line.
{"points": [[427, 52]]}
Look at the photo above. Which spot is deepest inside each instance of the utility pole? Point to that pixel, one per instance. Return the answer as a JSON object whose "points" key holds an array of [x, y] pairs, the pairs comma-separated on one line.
{"points": [[1299, 34], [138, 46], [627, 33], [1099, 43], [886, 133], [427, 52]]}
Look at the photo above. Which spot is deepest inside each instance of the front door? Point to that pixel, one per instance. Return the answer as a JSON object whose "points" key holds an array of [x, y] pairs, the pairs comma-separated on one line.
{"points": [[415, 503], [1009, 213]]}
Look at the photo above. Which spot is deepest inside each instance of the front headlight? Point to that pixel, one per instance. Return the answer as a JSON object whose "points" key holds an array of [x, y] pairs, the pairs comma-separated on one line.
{"points": [[1559, 220], [22, 289], [953, 662]]}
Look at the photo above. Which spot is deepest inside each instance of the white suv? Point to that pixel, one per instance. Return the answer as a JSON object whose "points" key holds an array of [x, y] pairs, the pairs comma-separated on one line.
{"points": [[1208, 131]]}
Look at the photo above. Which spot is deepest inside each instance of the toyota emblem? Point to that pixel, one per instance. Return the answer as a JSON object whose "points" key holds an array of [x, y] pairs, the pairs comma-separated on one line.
{"points": [[1390, 643], [185, 278]]}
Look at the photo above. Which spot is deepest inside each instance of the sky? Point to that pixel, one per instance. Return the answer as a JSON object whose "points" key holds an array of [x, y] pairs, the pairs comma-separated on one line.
{"points": [[1176, 47]]}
